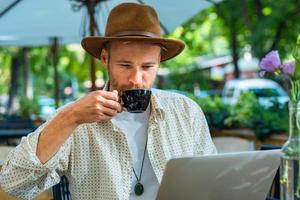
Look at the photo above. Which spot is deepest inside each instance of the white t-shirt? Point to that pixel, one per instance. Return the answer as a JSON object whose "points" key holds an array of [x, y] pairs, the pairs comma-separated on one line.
{"points": [[135, 127]]}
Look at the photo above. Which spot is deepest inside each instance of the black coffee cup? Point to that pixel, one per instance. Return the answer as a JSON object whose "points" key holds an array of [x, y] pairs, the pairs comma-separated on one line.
{"points": [[136, 100]]}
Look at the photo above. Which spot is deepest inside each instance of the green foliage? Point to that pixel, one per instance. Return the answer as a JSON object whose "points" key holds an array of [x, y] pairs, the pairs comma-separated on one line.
{"points": [[186, 81], [29, 107], [272, 120], [70, 65], [296, 55], [256, 26], [203, 35], [215, 111], [5, 62], [73, 64], [272, 30], [242, 113], [260, 24], [246, 113]]}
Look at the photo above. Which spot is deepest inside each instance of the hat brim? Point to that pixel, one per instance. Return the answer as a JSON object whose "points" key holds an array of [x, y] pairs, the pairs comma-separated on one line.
{"points": [[93, 45]]}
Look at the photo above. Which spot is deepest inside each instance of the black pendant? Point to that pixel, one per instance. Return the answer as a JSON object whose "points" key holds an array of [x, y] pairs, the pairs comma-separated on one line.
{"points": [[139, 189]]}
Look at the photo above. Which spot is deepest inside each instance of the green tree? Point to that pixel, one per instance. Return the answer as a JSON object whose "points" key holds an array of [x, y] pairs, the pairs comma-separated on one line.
{"points": [[230, 25]]}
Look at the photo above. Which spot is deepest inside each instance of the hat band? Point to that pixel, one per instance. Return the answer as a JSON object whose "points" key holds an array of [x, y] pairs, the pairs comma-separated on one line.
{"points": [[135, 33]]}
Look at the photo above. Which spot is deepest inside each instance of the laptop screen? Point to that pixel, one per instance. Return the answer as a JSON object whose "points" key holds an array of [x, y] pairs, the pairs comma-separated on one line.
{"points": [[230, 176]]}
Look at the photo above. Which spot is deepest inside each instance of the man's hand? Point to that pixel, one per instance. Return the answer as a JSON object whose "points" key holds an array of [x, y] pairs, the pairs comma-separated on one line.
{"points": [[96, 106]]}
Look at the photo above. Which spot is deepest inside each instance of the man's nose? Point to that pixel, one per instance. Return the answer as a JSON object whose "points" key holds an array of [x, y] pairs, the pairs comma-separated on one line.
{"points": [[136, 79]]}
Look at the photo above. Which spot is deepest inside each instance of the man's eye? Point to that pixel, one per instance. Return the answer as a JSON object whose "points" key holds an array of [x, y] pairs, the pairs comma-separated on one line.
{"points": [[125, 65], [147, 66]]}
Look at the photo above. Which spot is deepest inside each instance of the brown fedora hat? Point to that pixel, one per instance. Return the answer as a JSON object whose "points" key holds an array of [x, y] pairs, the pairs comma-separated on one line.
{"points": [[133, 22]]}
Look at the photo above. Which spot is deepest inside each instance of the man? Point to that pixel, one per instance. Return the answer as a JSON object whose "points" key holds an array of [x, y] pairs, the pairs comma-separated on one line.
{"points": [[104, 152]]}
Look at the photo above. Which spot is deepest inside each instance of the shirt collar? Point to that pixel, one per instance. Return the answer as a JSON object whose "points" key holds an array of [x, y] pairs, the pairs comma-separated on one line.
{"points": [[156, 107]]}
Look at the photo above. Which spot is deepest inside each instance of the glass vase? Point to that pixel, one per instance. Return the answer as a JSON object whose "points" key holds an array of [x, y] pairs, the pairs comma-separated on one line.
{"points": [[289, 166]]}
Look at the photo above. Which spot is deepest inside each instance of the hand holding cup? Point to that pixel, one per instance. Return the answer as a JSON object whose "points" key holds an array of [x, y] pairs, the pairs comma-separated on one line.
{"points": [[96, 106]]}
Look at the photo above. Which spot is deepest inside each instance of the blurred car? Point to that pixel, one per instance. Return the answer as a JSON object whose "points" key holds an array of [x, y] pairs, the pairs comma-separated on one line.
{"points": [[47, 106], [265, 90]]}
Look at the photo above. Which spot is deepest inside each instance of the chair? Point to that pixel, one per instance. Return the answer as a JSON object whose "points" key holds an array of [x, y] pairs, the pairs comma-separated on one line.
{"points": [[61, 190], [274, 193], [13, 127], [225, 144]]}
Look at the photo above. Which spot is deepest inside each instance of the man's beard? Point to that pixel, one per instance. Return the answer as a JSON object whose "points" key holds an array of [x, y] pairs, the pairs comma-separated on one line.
{"points": [[114, 85]]}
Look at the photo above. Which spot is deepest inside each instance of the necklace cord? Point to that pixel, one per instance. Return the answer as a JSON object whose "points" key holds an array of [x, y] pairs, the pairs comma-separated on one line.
{"points": [[140, 176]]}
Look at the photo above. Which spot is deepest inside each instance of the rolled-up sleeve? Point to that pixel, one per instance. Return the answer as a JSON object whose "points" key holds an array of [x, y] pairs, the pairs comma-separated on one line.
{"points": [[24, 176]]}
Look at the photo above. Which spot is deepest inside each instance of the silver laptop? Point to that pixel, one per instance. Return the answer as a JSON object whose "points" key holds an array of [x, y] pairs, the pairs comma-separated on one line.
{"points": [[231, 176]]}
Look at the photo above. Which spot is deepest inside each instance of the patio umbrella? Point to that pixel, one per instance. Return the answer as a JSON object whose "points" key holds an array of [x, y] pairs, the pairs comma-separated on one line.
{"points": [[33, 23]]}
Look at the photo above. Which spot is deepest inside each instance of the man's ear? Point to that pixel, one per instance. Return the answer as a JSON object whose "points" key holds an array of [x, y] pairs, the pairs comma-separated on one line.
{"points": [[104, 57]]}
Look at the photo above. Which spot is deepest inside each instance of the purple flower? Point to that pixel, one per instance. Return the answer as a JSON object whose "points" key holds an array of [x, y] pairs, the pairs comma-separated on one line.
{"points": [[271, 62], [288, 68]]}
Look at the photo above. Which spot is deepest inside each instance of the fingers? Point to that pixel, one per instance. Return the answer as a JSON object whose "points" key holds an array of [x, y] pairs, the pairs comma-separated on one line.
{"points": [[116, 92], [98, 106], [106, 111], [110, 100], [110, 95], [111, 104], [100, 113]]}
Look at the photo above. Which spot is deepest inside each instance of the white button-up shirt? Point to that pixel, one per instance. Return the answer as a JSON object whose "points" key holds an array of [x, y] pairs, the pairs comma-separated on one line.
{"points": [[96, 158]]}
